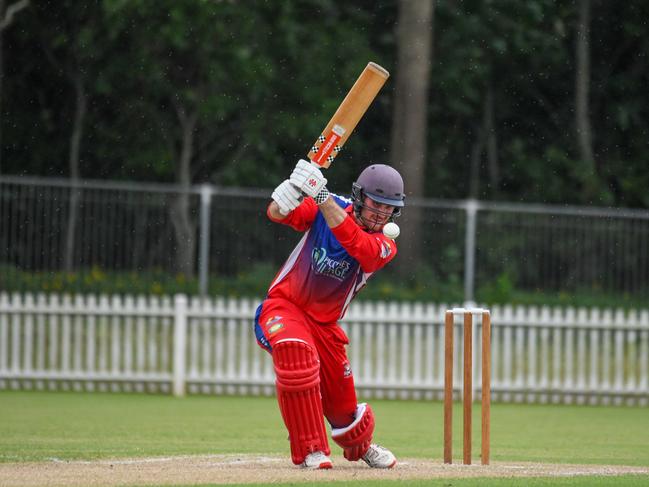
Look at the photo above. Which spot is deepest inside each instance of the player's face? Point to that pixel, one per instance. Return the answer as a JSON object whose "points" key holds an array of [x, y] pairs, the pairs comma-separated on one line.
{"points": [[374, 215]]}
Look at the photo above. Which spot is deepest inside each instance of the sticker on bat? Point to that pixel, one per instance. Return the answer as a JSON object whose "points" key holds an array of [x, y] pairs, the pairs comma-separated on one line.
{"points": [[329, 144]]}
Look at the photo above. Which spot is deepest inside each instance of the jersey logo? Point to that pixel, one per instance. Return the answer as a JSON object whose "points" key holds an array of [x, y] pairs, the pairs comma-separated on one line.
{"points": [[386, 249], [275, 328], [273, 325], [326, 266], [273, 319], [347, 370]]}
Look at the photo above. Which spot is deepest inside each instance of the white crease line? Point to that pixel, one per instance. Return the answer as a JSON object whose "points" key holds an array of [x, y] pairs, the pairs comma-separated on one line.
{"points": [[222, 460]]}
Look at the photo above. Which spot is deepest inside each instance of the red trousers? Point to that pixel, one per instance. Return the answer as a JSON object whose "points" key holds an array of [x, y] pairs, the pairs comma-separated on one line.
{"points": [[279, 319]]}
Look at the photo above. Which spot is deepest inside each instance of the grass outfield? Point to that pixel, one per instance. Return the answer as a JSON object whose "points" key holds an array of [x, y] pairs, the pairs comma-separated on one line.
{"points": [[37, 426]]}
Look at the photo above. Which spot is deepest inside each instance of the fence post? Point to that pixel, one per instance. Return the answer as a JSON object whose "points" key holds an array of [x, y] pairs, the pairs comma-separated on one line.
{"points": [[179, 348], [472, 207], [5, 304], [204, 239]]}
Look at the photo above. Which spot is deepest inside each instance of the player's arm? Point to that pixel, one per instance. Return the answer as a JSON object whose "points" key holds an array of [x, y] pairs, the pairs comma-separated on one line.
{"points": [[274, 213], [333, 214], [371, 250]]}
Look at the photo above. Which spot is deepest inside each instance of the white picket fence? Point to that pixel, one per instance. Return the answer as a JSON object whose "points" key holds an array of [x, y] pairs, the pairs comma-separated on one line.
{"points": [[176, 345]]}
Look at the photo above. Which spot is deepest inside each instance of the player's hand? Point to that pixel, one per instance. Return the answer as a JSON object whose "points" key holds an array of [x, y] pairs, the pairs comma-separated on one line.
{"points": [[308, 178], [287, 197]]}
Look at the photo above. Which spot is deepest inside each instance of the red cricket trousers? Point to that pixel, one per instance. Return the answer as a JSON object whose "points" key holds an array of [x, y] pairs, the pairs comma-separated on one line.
{"points": [[278, 319]]}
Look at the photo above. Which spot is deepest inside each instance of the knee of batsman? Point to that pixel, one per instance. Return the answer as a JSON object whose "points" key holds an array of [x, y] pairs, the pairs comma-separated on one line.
{"points": [[297, 366], [355, 439]]}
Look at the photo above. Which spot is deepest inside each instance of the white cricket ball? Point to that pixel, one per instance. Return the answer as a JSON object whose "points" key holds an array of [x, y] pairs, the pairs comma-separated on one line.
{"points": [[391, 230]]}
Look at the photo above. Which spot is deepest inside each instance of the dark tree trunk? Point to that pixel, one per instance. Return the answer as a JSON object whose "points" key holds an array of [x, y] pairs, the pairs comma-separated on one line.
{"points": [[2, 75], [493, 164], [184, 226], [485, 143], [7, 16], [474, 163], [582, 88], [74, 167], [410, 127]]}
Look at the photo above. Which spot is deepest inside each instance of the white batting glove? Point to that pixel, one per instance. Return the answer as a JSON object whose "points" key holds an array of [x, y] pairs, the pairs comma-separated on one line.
{"points": [[308, 178], [287, 197]]}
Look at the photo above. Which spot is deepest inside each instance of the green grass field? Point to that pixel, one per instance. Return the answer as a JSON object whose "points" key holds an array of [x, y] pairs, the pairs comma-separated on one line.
{"points": [[37, 426]]}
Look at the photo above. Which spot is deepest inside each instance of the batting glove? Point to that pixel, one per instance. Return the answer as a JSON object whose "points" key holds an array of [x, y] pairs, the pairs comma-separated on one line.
{"points": [[287, 197], [308, 178]]}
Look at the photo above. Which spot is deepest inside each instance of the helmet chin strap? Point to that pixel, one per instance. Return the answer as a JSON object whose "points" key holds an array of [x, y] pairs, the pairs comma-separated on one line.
{"points": [[370, 225]]}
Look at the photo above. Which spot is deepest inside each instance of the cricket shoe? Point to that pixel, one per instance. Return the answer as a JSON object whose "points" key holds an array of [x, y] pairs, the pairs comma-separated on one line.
{"points": [[377, 456], [316, 460]]}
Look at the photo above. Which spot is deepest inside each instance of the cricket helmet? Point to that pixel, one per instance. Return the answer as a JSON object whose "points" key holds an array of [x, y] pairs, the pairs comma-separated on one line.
{"points": [[382, 184]]}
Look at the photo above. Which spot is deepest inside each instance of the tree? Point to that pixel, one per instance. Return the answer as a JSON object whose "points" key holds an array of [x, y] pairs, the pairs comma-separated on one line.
{"points": [[182, 84], [226, 90], [503, 93], [619, 107], [582, 103], [410, 121], [72, 41], [7, 14], [501, 76]]}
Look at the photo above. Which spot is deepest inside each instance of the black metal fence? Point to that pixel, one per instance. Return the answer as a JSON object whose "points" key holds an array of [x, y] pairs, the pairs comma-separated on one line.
{"points": [[49, 225]]}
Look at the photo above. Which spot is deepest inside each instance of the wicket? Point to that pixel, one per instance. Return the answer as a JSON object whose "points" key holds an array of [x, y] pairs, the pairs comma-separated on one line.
{"points": [[468, 382]]}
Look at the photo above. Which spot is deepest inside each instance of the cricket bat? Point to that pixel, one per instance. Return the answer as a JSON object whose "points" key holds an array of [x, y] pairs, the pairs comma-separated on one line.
{"points": [[351, 110]]}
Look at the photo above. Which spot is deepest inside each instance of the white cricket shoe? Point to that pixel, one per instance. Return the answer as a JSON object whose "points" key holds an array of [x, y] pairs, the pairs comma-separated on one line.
{"points": [[377, 456], [316, 460]]}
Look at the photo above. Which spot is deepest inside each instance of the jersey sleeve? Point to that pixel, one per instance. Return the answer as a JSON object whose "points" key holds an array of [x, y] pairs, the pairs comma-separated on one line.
{"points": [[301, 218], [371, 250]]}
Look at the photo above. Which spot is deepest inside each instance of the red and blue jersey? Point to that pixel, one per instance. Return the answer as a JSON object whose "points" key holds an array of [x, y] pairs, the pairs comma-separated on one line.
{"points": [[329, 266]]}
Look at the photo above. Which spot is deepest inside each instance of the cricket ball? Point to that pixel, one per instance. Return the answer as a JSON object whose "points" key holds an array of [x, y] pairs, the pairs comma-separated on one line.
{"points": [[391, 230]]}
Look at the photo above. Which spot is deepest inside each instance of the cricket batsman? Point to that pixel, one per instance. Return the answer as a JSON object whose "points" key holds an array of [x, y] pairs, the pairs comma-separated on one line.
{"points": [[297, 323]]}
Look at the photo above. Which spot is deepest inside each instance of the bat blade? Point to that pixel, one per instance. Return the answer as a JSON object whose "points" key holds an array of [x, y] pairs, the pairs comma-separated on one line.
{"points": [[351, 110]]}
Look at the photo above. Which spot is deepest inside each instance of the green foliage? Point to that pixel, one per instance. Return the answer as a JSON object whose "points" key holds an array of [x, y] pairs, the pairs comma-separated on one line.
{"points": [[498, 291], [253, 282], [425, 285], [98, 281], [262, 78], [259, 80]]}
